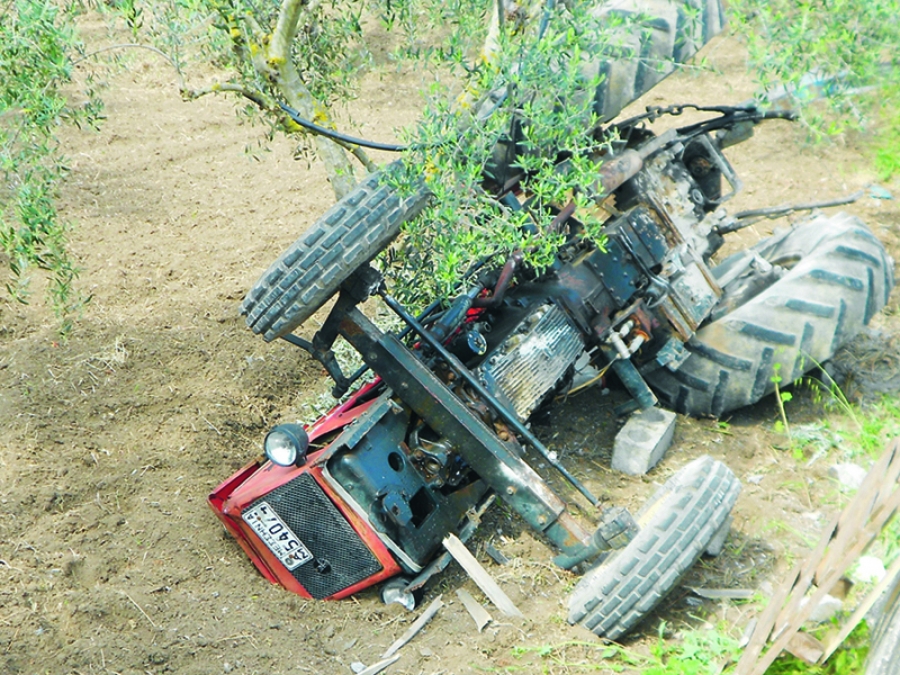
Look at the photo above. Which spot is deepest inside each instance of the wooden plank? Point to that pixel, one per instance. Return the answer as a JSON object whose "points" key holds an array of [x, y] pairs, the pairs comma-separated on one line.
{"points": [[376, 668], [807, 573], [849, 534], [805, 647], [480, 576], [876, 487], [765, 623], [478, 613], [803, 612], [417, 625], [860, 612]]}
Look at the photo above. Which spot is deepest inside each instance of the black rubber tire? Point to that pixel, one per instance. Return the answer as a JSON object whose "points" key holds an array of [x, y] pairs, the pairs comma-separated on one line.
{"points": [[884, 654], [677, 524], [654, 37], [311, 270], [840, 277]]}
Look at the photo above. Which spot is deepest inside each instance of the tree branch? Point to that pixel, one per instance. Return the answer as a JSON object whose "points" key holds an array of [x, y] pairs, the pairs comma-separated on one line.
{"points": [[265, 103], [133, 45], [360, 155], [258, 97], [283, 73]]}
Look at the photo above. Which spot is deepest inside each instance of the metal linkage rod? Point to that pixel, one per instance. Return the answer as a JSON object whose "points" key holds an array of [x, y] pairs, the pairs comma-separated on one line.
{"points": [[508, 416]]}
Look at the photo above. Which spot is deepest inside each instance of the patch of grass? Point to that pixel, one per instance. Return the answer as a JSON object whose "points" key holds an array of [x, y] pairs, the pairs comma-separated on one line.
{"points": [[697, 652], [850, 658], [887, 138], [777, 526]]}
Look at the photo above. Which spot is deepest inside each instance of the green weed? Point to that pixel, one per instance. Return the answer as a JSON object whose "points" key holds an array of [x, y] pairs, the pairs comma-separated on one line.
{"points": [[849, 659], [697, 652], [887, 137], [36, 43]]}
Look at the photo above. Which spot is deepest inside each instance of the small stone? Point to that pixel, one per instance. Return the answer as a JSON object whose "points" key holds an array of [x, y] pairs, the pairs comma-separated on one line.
{"points": [[643, 441], [425, 652], [755, 479], [868, 570], [825, 610], [227, 667], [357, 666], [848, 475]]}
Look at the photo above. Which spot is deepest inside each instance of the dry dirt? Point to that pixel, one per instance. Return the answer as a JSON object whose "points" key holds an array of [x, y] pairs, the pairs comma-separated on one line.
{"points": [[110, 559]]}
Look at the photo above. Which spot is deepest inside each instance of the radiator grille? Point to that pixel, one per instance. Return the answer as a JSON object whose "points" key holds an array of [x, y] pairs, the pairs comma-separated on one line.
{"points": [[530, 363], [341, 558]]}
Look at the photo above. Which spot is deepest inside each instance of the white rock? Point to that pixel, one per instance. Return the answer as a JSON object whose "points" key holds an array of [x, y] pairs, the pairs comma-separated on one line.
{"points": [[849, 475], [868, 570], [825, 610]]}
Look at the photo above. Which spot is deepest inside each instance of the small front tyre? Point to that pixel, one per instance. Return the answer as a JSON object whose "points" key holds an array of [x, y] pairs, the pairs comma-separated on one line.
{"points": [[312, 269], [676, 526]]}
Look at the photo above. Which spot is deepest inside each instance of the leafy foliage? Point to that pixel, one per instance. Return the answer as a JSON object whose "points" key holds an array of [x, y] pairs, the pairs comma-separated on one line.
{"points": [[532, 96], [849, 658], [35, 44], [887, 141], [530, 92], [834, 49]]}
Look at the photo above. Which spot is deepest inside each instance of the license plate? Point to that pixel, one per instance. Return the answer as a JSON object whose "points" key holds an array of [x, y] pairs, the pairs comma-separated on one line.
{"points": [[275, 533]]}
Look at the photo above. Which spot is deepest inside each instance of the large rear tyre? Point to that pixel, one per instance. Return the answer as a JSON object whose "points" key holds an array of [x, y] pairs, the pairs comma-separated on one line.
{"points": [[884, 654], [654, 37], [677, 524], [311, 270], [837, 276]]}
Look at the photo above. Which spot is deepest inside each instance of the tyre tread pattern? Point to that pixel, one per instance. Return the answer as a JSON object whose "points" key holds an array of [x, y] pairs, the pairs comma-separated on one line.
{"points": [[656, 36], [842, 279], [311, 270], [677, 524]]}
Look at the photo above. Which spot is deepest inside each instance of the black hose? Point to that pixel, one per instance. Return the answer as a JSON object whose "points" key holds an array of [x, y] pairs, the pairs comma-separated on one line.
{"points": [[336, 135]]}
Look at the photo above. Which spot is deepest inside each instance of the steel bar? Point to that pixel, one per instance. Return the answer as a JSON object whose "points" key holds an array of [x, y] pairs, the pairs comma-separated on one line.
{"points": [[508, 416]]}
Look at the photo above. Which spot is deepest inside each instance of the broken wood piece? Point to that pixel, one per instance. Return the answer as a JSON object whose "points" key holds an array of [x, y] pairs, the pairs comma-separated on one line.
{"points": [[749, 630], [376, 668], [805, 647], [417, 625], [860, 612], [478, 613], [846, 537], [480, 576]]}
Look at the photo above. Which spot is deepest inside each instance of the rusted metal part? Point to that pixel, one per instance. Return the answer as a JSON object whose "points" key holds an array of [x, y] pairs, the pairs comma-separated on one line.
{"points": [[495, 462], [616, 170], [529, 363], [506, 275], [676, 319], [508, 416], [567, 211]]}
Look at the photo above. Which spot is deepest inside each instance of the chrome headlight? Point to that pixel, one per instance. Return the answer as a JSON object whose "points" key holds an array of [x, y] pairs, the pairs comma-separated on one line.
{"points": [[286, 445]]}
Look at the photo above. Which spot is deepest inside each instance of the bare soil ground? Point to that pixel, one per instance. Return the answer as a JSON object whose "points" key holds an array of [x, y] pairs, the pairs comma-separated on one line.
{"points": [[110, 440]]}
